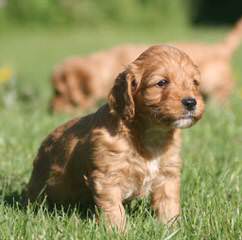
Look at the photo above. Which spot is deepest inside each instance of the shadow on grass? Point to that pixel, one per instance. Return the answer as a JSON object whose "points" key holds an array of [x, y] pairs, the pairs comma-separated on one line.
{"points": [[17, 200], [12, 200], [9, 196]]}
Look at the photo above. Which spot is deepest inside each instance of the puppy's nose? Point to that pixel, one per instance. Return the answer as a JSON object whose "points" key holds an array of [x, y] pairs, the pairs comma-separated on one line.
{"points": [[189, 103]]}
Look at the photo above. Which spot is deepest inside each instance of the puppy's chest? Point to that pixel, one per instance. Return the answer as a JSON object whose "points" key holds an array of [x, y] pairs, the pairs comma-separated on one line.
{"points": [[142, 178]]}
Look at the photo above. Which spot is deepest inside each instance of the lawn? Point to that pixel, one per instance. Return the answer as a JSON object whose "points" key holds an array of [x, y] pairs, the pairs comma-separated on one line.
{"points": [[212, 150]]}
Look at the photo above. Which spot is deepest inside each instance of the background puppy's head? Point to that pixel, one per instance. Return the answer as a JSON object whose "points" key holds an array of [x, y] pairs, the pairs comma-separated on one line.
{"points": [[72, 86], [161, 86]]}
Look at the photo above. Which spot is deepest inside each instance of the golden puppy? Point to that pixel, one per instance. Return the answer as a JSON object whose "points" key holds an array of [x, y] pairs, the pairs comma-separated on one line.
{"points": [[130, 146], [80, 82]]}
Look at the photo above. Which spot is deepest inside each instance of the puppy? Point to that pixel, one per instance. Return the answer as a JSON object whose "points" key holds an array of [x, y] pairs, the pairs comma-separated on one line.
{"points": [[81, 82], [128, 148]]}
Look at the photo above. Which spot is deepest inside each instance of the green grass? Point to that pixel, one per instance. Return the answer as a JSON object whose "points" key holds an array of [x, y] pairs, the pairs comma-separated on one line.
{"points": [[212, 150]]}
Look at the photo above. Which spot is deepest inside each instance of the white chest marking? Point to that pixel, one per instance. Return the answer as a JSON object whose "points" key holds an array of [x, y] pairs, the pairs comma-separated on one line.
{"points": [[153, 168], [151, 171]]}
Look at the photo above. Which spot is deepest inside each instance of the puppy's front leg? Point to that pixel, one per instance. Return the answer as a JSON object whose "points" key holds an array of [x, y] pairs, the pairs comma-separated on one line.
{"points": [[166, 199], [109, 200]]}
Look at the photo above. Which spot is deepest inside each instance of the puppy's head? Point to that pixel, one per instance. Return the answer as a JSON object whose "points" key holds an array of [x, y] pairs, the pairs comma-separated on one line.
{"points": [[160, 86], [72, 85]]}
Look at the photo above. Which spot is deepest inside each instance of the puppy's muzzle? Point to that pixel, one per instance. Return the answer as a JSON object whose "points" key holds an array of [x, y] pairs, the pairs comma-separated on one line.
{"points": [[189, 103]]}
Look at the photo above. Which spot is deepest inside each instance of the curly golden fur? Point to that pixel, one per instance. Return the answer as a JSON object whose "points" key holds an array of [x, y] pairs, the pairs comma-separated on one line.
{"points": [[128, 148]]}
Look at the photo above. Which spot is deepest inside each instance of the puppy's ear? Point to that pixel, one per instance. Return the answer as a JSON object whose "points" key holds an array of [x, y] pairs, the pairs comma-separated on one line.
{"points": [[120, 99]]}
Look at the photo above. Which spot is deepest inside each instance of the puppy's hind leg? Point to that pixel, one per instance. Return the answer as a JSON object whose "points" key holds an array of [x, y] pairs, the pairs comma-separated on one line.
{"points": [[37, 184]]}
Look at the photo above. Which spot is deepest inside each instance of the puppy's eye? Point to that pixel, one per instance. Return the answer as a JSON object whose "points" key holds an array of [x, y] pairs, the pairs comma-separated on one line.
{"points": [[162, 83], [195, 82]]}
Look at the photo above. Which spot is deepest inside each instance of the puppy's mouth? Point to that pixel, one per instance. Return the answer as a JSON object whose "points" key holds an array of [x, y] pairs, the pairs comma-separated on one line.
{"points": [[185, 121]]}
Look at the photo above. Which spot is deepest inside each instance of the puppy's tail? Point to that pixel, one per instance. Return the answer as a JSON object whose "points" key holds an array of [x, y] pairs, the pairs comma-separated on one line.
{"points": [[234, 38]]}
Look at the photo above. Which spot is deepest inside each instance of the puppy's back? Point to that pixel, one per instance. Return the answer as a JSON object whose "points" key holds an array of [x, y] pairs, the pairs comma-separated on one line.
{"points": [[54, 160]]}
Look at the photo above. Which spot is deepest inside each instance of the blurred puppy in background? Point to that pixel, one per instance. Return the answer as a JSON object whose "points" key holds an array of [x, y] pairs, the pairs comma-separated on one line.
{"points": [[130, 147], [79, 82], [214, 61]]}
